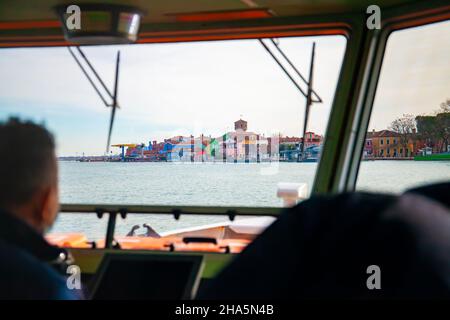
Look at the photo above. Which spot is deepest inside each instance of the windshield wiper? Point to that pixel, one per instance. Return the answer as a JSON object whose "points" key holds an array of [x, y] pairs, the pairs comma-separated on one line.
{"points": [[112, 96], [309, 92]]}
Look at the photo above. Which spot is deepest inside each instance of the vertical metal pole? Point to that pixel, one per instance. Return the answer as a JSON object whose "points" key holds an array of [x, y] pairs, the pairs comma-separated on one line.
{"points": [[308, 103], [110, 230], [114, 105]]}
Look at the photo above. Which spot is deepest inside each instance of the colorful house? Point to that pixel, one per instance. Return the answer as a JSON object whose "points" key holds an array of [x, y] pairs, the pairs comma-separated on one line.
{"points": [[388, 144]]}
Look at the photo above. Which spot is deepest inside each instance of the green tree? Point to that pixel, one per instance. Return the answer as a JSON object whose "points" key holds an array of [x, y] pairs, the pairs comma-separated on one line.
{"points": [[443, 125], [426, 129], [435, 130]]}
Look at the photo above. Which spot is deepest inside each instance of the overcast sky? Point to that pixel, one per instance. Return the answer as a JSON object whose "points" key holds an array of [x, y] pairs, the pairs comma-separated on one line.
{"points": [[415, 77], [203, 87]]}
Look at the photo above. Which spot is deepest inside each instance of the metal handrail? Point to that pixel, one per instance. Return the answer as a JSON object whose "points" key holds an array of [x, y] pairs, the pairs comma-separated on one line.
{"points": [[162, 209], [112, 210]]}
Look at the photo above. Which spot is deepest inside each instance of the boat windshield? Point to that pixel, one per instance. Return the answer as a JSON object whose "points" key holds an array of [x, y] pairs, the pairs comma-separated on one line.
{"points": [[217, 123], [408, 141]]}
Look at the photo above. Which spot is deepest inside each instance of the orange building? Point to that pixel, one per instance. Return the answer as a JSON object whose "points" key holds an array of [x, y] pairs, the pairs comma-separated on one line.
{"points": [[387, 144]]}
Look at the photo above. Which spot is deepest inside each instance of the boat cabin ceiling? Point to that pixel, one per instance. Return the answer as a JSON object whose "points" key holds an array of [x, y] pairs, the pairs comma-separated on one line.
{"points": [[25, 23], [169, 12]]}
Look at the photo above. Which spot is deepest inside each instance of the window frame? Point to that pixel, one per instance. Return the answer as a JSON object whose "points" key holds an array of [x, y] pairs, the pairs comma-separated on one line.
{"points": [[398, 18]]}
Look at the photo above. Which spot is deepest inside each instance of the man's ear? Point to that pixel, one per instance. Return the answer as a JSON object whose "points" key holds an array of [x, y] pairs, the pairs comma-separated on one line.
{"points": [[49, 208]]}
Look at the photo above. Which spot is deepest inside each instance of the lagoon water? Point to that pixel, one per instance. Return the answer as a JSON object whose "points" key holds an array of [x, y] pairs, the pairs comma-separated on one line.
{"points": [[211, 184]]}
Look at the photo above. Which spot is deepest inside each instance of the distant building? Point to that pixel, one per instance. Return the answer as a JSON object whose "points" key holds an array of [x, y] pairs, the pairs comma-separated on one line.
{"points": [[290, 140], [368, 146], [290, 147], [240, 125], [387, 144], [153, 151], [239, 145], [188, 148], [312, 140]]}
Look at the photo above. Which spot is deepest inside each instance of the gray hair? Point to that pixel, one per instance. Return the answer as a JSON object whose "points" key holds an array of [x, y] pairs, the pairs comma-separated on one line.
{"points": [[27, 161]]}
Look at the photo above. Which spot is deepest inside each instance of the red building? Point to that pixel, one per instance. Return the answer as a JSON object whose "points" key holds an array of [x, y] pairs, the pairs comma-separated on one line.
{"points": [[312, 139]]}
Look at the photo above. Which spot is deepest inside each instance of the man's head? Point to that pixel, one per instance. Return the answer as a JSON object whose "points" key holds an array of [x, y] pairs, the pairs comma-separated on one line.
{"points": [[28, 173]]}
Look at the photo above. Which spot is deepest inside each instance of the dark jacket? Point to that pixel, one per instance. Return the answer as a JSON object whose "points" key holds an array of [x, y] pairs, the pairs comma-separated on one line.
{"points": [[323, 247], [30, 268]]}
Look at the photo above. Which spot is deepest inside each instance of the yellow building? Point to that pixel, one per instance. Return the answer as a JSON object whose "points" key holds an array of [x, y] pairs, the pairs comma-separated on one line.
{"points": [[387, 144]]}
